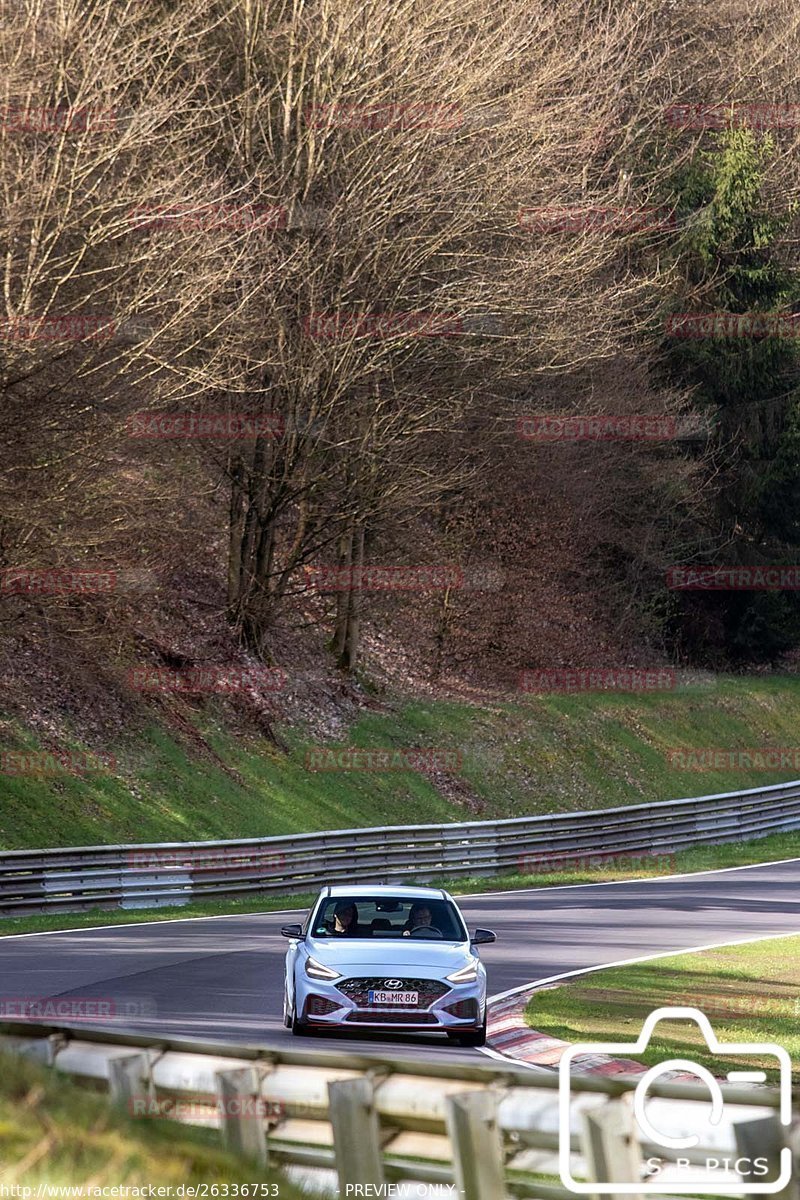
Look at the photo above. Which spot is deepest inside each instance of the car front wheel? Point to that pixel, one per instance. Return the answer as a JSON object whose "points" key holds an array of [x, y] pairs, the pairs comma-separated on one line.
{"points": [[298, 1027], [476, 1037]]}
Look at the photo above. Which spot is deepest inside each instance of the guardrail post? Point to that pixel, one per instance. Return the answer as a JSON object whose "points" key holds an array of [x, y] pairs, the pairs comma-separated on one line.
{"points": [[764, 1138], [793, 1139], [128, 1082], [356, 1133], [241, 1113], [610, 1144], [478, 1163], [41, 1050]]}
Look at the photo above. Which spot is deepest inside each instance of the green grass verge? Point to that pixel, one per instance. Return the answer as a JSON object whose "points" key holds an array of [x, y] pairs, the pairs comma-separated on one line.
{"points": [[600, 868], [699, 858], [53, 1132], [115, 916], [544, 754], [750, 993]]}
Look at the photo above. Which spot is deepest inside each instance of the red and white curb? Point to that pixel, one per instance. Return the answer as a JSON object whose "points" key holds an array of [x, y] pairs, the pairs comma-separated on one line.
{"points": [[509, 1036]]}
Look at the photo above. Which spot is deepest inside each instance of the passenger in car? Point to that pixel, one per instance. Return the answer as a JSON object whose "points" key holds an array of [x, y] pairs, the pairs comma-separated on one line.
{"points": [[345, 920]]}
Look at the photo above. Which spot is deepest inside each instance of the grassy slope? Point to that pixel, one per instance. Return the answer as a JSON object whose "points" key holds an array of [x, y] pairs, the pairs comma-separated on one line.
{"points": [[52, 1132], [750, 993], [542, 755]]}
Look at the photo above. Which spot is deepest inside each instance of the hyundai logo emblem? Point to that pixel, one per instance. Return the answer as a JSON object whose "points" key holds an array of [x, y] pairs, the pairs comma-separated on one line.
{"points": [[393, 983]]}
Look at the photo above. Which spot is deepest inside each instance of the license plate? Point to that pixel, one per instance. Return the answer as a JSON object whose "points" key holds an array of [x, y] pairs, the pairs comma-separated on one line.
{"points": [[409, 999]]}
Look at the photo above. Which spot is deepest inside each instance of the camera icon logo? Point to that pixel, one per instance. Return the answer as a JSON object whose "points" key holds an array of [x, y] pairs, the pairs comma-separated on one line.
{"points": [[671, 1156]]}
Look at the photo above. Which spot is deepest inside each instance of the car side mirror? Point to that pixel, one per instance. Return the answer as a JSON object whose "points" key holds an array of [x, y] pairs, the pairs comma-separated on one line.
{"points": [[292, 931], [482, 937]]}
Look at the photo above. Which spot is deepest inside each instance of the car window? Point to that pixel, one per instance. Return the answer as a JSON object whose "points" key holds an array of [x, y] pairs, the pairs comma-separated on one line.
{"points": [[389, 917]]}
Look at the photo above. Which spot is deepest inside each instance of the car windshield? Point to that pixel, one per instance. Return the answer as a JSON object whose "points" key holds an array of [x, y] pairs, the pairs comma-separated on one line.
{"points": [[389, 917]]}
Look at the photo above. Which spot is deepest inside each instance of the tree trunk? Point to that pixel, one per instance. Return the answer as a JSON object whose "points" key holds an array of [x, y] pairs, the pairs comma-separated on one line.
{"points": [[441, 635], [252, 525], [353, 629], [344, 561], [236, 537]]}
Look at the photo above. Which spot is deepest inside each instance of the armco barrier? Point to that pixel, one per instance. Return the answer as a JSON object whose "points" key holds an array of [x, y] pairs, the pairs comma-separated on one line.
{"points": [[333, 1119], [146, 876]]}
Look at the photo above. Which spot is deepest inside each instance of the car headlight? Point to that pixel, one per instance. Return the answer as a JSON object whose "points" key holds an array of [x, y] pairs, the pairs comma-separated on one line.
{"points": [[318, 970], [467, 974]]}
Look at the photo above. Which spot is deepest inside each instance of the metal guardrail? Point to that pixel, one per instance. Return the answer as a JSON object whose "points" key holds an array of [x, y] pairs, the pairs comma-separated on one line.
{"points": [[335, 1119], [174, 873]]}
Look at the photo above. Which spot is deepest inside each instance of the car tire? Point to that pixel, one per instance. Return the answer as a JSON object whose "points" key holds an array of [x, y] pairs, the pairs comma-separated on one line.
{"points": [[298, 1027], [287, 1016], [475, 1037]]}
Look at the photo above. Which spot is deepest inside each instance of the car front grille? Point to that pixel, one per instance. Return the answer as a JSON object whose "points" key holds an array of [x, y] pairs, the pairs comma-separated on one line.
{"points": [[384, 1016], [358, 991]]}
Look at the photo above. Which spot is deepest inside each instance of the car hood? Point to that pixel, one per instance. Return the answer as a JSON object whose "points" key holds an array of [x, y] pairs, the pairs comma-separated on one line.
{"points": [[390, 955]]}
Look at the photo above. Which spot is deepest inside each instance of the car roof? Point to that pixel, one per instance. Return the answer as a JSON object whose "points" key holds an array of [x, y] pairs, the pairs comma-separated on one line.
{"points": [[398, 892]]}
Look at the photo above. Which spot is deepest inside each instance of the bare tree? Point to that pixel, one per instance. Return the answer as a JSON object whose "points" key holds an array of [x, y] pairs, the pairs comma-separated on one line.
{"points": [[402, 141]]}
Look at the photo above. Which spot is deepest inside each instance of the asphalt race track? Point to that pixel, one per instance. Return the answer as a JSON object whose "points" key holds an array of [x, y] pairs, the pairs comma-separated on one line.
{"points": [[223, 978]]}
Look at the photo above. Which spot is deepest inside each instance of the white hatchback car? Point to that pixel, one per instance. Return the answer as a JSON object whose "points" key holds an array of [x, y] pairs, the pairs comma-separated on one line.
{"points": [[382, 958]]}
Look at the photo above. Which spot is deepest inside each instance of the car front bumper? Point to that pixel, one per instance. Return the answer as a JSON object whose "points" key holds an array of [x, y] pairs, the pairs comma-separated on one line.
{"points": [[459, 1008]]}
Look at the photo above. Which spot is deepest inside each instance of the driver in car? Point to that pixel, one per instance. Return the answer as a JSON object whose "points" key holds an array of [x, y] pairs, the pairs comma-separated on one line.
{"points": [[420, 916]]}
